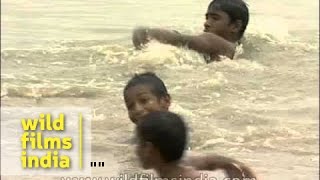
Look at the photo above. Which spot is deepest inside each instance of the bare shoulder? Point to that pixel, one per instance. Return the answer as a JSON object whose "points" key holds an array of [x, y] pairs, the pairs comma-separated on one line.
{"points": [[212, 45]]}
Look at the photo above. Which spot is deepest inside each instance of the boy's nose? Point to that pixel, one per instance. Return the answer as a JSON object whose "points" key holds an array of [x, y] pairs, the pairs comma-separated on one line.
{"points": [[139, 110], [206, 26]]}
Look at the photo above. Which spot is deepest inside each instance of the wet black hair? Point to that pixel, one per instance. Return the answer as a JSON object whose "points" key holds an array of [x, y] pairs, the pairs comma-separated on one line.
{"points": [[166, 131], [158, 88], [236, 9]]}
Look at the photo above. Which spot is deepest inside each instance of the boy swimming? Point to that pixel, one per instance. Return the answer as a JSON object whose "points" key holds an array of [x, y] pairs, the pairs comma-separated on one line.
{"points": [[226, 22], [162, 137], [146, 93]]}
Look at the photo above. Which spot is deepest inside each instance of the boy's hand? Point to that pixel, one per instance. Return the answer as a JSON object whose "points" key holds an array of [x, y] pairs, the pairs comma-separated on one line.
{"points": [[140, 37]]}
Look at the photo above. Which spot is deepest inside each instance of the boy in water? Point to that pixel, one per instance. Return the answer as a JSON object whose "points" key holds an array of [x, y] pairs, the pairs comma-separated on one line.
{"points": [[226, 22], [162, 137], [146, 93]]}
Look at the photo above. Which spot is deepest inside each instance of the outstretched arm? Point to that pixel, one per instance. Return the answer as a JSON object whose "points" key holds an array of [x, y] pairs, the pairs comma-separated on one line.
{"points": [[206, 43], [143, 35], [234, 168]]}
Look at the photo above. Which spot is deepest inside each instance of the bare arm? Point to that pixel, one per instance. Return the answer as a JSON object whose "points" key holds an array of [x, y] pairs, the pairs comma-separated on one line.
{"points": [[143, 35], [233, 168], [205, 43]]}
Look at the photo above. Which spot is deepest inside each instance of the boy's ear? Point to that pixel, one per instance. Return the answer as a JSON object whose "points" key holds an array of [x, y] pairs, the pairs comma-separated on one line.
{"points": [[153, 152], [236, 26], [150, 150], [165, 101]]}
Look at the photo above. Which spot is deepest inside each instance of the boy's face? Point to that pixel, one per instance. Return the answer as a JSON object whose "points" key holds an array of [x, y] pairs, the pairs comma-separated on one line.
{"points": [[140, 101], [218, 22]]}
